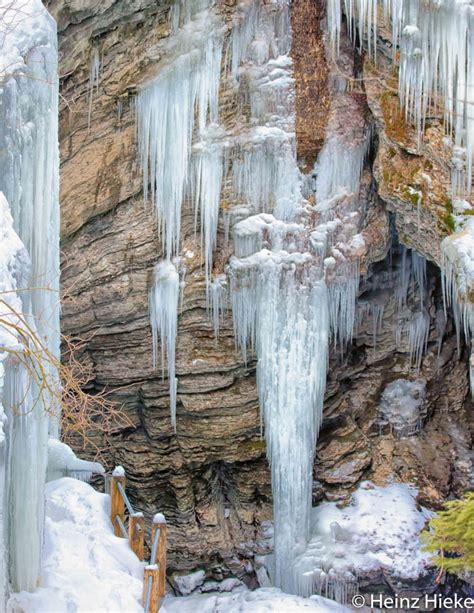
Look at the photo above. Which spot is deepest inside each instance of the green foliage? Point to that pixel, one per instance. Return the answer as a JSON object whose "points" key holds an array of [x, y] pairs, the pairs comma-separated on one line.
{"points": [[452, 535], [449, 221]]}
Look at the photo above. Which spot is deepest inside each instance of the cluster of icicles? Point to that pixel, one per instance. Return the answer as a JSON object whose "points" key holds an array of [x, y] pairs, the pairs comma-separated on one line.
{"points": [[404, 278], [293, 280], [436, 44], [436, 71]]}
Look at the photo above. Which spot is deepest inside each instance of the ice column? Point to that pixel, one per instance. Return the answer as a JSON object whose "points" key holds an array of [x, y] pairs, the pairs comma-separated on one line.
{"points": [[14, 263], [29, 180], [278, 294], [164, 299], [457, 251], [280, 307]]}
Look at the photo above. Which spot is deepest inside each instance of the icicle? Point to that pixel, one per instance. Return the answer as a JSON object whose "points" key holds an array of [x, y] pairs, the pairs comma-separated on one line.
{"points": [[176, 107], [265, 174], [339, 167], [164, 298], [342, 294], [264, 170], [206, 193], [186, 88], [217, 301], [377, 322], [94, 81], [418, 338]]}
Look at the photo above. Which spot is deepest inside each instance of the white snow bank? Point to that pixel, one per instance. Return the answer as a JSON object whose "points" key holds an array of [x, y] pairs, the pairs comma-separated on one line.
{"points": [[263, 600], [63, 462], [86, 569], [188, 583], [379, 529]]}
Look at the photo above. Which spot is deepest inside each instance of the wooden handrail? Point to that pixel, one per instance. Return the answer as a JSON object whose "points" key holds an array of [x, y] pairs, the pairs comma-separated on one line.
{"points": [[159, 523], [136, 534], [117, 503], [154, 579]]}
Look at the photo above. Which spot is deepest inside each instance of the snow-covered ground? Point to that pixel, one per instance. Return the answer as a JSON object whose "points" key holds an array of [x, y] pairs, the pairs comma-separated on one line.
{"points": [[263, 600], [86, 569], [379, 529]]}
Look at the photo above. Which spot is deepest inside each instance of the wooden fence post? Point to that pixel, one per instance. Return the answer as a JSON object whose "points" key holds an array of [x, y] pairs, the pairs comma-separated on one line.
{"points": [[117, 504], [159, 523], [151, 572], [136, 534]]}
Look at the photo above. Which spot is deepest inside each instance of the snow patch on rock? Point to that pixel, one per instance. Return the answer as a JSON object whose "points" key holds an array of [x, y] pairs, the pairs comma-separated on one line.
{"points": [[263, 600]]}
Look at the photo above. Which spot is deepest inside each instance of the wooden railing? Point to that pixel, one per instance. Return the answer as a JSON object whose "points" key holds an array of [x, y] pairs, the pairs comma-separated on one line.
{"points": [[154, 580]]}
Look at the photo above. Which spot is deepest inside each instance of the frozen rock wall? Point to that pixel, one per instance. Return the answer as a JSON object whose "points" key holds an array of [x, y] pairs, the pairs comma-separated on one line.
{"points": [[211, 476]]}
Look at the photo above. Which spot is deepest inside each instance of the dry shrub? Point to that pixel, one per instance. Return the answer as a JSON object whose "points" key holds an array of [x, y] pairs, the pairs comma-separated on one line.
{"points": [[60, 383]]}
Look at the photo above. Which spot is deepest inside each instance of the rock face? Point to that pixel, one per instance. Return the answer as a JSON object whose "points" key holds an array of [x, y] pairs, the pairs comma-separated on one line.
{"points": [[211, 478]]}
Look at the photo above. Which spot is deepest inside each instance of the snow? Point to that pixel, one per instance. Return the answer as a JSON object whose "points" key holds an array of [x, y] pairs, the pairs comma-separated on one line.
{"points": [[378, 529], [263, 600], [159, 518], [119, 471], [85, 567], [188, 583], [62, 462]]}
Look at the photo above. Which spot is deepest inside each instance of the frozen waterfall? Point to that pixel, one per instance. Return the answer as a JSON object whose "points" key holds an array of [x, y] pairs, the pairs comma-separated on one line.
{"points": [[182, 99], [278, 293], [29, 281], [181, 147], [293, 280], [29, 180], [458, 284]]}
